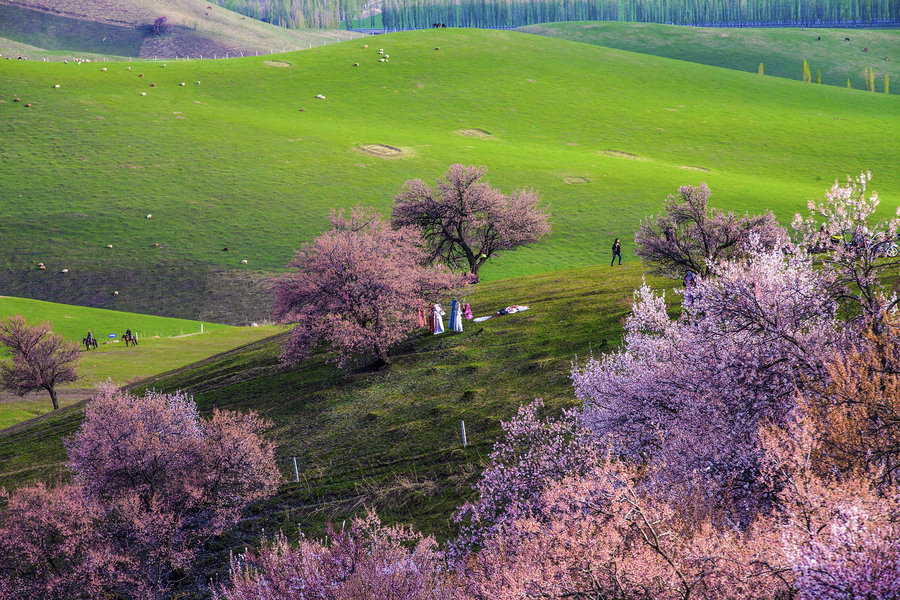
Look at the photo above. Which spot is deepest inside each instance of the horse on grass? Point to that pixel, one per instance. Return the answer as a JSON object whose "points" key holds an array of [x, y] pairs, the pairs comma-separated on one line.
{"points": [[89, 343], [130, 339]]}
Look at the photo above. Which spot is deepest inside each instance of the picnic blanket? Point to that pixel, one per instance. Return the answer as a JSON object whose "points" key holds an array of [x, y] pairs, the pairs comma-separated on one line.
{"points": [[504, 311]]}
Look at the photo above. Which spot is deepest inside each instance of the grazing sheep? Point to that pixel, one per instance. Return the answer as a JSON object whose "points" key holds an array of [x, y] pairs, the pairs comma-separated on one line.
{"points": [[196, 83], [65, 62], [355, 64], [109, 245], [42, 268], [382, 60], [244, 262], [181, 84], [320, 97], [143, 93], [116, 293], [366, 46], [302, 110], [381, 51], [152, 85], [127, 68], [164, 65], [56, 86], [141, 75], [225, 249], [64, 271], [103, 69], [16, 100], [28, 105], [154, 245], [150, 216], [387, 56]]}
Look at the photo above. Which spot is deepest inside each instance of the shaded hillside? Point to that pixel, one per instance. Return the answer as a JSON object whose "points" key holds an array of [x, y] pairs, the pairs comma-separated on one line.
{"points": [[389, 439], [233, 162], [125, 28]]}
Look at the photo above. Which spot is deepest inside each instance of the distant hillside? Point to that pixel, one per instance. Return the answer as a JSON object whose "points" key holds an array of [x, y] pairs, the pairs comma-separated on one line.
{"points": [[780, 50], [126, 28]]}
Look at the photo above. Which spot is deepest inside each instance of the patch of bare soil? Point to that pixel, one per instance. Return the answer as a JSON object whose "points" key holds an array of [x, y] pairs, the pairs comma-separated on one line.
{"points": [[692, 168], [278, 63], [476, 133], [383, 151], [620, 154], [576, 180]]}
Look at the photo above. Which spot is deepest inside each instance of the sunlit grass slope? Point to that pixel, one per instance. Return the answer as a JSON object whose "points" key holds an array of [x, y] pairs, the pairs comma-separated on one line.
{"points": [[75, 321], [233, 162], [781, 50], [388, 439], [165, 344]]}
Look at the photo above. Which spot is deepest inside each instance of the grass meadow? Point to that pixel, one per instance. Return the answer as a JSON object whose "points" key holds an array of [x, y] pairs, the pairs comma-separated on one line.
{"points": [[781, 50], [234, 162], [164, 344]]}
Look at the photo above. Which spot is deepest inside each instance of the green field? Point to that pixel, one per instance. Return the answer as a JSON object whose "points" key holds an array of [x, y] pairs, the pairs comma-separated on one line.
{"points": [[781, 50], [74, 322], [233, 162], [165, 344], [390, 438]]}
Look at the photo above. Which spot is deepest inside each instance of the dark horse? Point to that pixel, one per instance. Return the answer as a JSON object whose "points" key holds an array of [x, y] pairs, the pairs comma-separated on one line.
{"points": [[89, 343], [130, 339]]}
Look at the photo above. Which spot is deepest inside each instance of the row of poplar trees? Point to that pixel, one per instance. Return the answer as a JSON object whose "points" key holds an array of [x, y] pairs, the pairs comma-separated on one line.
{"points": [[416, 14]]}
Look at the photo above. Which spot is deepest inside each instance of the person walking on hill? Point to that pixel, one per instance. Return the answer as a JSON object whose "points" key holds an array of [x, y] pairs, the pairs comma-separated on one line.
{"points": [[617, 251]]}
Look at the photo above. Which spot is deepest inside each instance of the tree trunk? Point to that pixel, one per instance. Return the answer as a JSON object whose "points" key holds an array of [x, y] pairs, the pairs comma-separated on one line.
{"points": [[382, 355], [53, 398]]}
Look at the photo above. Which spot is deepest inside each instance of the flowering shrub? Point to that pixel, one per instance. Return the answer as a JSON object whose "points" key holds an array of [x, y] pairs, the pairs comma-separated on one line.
{"points": [[368, 561]]}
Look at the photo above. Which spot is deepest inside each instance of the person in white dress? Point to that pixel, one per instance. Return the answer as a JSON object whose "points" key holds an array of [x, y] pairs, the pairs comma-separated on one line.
{"points": [[438, 319]]}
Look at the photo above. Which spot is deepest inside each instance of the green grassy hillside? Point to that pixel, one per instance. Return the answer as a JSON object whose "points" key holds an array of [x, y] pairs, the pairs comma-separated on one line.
{"points": [[165, 344], [233, 162], [57, 29], [75, 321], [390, 438], [781, 50]]}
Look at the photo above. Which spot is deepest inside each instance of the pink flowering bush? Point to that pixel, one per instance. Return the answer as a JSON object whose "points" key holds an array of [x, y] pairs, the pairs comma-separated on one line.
{"points": [[603, 536], [686, 396], [852, 245], [152, 482], [368, 561], [533, 455], [356, 289], [689, 235]]}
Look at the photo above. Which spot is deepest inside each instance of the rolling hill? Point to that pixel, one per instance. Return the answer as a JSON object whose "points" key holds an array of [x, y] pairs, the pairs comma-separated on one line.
{"points": [[781, 50], [389, 438], [63, 28], [233, 162]]}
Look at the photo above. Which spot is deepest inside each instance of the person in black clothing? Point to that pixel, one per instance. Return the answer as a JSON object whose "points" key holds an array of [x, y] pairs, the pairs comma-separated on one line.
{"points": [[617, 251]]}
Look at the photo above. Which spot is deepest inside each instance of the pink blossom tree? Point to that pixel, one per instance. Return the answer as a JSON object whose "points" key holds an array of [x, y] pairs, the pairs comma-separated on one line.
{"points": [[40, 359], [688, 234], [533, 454], [604, 536], [687, 396], [52, 549], [853, 245], [368, 561], [152, 482], [465, 221], [356, 289]]}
